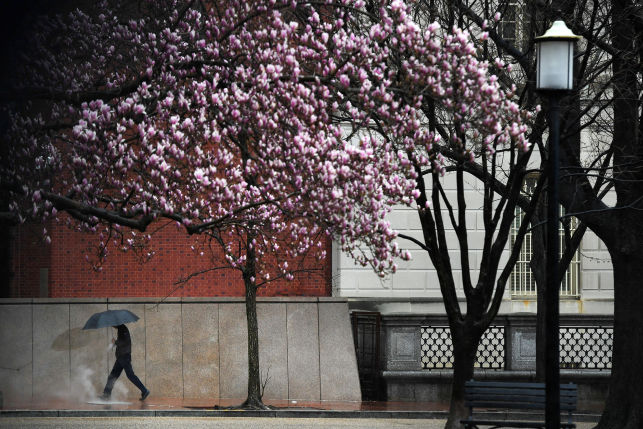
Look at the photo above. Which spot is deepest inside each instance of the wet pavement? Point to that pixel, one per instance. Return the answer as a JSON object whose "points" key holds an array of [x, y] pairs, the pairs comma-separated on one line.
{"points": [[49, 403], [65, 410], [223, 423], [154, 403]]}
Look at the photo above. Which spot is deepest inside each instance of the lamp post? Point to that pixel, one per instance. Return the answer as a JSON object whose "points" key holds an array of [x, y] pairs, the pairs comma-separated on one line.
{"points": [[554, 78]]}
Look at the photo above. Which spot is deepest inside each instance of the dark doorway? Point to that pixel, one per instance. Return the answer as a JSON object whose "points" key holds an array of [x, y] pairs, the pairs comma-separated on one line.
{"points": [[366, 335]]}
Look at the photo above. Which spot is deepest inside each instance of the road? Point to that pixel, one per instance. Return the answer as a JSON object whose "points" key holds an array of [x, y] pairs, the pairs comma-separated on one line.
{"points": [[219, 422]]}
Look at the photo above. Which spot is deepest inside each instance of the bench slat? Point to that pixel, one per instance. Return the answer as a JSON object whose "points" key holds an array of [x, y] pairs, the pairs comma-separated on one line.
{"points": [[472, 383], [533, 392], [514, 398], [482, 394], [529, 405]]}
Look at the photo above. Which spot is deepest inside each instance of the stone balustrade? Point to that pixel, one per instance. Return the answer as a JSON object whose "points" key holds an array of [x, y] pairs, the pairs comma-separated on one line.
{"points": [[406, 380]]}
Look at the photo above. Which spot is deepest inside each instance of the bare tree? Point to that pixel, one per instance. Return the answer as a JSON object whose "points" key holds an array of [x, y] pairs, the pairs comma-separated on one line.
{"points": [[600, 151], [461, 146]]}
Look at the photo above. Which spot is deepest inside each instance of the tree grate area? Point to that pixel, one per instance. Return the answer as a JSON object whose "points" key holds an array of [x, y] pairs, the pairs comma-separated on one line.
{"points": [[586, 347], [437, 348]]}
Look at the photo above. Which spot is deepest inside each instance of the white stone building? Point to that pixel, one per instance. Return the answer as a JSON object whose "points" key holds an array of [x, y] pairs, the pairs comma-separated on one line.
{"points": [[404, 321], [414, 288]]}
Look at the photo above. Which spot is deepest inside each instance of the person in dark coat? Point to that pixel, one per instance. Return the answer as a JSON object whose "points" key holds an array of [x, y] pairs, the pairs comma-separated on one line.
{"points": [[123, 344]]}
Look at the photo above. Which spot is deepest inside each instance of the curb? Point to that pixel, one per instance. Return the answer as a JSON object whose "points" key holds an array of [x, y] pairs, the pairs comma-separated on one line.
{"points": [[318, 414]]}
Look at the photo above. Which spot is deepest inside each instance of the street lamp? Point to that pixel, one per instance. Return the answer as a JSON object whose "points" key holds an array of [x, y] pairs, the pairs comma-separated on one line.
{"points": [[554, 78]]}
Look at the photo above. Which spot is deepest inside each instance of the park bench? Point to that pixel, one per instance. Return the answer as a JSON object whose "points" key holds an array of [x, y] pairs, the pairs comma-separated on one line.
{"points": [[480, 394]]}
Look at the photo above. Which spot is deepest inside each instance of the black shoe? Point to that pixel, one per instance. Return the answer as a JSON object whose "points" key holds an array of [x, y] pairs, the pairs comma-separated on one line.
{"points": [[145, 395], [105, 397]]}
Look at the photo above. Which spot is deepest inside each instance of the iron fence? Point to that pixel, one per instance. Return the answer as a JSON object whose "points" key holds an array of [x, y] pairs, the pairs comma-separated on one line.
{"points": [[583, 347], [437, 348]]}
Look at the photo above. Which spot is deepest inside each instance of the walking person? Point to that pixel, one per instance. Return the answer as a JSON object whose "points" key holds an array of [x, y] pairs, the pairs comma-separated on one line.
{"points": [[123, 344]]}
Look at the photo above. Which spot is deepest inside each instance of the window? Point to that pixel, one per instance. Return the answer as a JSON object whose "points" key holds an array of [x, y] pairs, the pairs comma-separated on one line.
{"points": [[516, 23], [508, 25], [522, 279]]}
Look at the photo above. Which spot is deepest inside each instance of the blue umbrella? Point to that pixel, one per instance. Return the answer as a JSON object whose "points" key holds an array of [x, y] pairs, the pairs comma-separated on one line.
{"points": [[108, 318]]}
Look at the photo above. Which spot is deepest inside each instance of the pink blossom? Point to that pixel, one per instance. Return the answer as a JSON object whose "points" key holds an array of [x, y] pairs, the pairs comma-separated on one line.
{"points": [[226, 115]]}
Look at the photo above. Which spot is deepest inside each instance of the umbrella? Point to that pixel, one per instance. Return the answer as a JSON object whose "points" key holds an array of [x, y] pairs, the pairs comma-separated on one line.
{"points": [[108, 318]]}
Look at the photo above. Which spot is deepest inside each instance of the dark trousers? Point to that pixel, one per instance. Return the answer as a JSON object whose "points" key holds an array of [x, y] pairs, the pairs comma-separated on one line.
{"points": [[123, 363]]}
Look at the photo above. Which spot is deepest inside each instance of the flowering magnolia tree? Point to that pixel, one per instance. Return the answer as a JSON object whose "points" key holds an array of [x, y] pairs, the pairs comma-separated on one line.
{"points": [[212, 116], [227, 118]]}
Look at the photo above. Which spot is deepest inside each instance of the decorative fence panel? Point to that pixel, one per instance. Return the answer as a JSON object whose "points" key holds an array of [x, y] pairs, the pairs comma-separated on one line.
{"points": [[588, 347], [437, 348], [583, 347]]}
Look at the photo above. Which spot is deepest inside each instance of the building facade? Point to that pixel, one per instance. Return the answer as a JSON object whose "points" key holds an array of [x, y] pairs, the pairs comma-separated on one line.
{"points": [[412, 339], [414, 288], [62, 270]]}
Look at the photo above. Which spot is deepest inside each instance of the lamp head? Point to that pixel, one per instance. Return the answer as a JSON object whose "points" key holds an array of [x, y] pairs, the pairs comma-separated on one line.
{"points": [[558, 32], [556, 58]]}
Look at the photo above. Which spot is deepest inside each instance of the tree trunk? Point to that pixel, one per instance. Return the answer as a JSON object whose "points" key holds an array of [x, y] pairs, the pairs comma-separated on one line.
{"points": [[624, 405], [253, 400], [623, 408], [465, 345], [538, 269], [254, 382]]}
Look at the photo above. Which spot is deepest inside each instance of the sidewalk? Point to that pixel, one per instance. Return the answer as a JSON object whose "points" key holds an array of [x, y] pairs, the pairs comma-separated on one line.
{"points": [[172, 407], [184, 407]]}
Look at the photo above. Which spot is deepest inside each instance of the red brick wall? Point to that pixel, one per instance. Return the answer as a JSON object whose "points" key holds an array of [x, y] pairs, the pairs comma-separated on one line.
{"points": [[70, 275], [28, 256]]}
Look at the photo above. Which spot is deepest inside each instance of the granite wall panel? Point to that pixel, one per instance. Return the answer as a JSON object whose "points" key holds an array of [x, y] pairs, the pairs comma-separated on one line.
{"points": [[273, 349], [200, 350], [15, 353], [88, 352], [164, 346], [337, 362], [51, 350], [233, 340], [402, 348], [303, 351]]}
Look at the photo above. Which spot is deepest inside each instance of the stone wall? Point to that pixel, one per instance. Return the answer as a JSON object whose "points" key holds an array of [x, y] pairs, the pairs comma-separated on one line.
{"points": [[406, 380], [183, 347]]}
